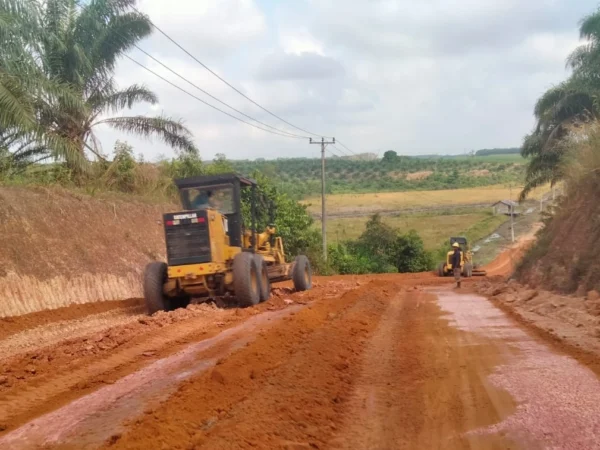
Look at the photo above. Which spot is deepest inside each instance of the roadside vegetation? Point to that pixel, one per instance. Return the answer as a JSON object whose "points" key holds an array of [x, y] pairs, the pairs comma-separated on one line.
{"points": [[565, 147], [564, 257], [565, 110], [381, 248]]}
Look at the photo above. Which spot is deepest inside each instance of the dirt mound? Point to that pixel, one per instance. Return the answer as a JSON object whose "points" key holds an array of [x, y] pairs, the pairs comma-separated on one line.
{"points": [[479, 173]]}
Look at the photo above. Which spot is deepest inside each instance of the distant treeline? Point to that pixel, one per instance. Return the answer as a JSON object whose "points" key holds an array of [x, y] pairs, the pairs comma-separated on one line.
{"points": [[301, 177], [498, 151]]}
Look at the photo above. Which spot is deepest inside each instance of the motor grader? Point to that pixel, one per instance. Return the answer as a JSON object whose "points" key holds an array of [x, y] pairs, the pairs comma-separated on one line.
{"points": [[211, 252], [468, 268]]}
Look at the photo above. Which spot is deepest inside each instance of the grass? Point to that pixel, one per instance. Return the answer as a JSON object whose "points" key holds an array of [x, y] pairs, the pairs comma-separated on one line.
{"points": [[435, 230], [390, 201]]}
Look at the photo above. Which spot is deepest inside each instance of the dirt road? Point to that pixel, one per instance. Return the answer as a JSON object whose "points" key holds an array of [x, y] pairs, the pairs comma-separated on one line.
{"points": [[376, 362]]}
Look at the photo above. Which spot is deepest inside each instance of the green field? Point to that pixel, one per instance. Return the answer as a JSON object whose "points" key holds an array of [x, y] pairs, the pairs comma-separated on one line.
{"points": [[433, 229]]}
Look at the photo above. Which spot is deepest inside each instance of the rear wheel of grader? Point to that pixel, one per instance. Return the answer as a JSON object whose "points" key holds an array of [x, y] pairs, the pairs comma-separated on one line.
{"points": [[155, 276], [302, 274], [265, 283], [246, 279]]}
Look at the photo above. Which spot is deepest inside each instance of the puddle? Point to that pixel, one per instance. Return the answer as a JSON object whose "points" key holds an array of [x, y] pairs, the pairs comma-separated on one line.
{"points": [[558, 399], [88, 421]]}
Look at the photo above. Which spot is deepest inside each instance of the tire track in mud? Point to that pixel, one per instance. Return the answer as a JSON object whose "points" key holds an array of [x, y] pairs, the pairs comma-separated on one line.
{"points": [[46, 377], [60, 387], [418, 388], [286, 389], [60, 330], [74, 313], [91, 419]]}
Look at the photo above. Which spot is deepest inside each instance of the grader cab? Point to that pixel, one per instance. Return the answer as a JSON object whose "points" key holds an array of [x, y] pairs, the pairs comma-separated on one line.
{"points": [[211, 251]]}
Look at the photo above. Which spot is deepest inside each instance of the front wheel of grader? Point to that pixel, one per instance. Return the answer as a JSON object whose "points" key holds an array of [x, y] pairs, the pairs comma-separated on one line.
{"points": [[246, 279], [302, 274]]}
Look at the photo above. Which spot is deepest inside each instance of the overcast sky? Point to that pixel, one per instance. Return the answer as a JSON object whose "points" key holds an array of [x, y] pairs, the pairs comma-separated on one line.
{"points": [[436, 76]]}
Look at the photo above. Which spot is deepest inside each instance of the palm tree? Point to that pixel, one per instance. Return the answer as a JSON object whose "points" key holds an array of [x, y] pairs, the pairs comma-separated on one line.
{"points": [[560, 110], [25, 90], [564, 107], [85, 43], [57, 60]]}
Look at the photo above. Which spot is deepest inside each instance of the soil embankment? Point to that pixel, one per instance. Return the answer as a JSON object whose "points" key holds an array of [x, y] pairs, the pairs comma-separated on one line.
{"points": [[61, 248]]}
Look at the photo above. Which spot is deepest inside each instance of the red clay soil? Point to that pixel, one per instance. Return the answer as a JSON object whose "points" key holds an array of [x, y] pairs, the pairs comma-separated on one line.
{"points": [[16, 324], [505, 262], [375, 361], [44, 377], [378, 367]]}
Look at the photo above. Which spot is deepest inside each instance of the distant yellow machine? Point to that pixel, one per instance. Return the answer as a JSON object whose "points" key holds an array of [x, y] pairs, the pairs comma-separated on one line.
{"points": [[467, 267], [211, 253]]}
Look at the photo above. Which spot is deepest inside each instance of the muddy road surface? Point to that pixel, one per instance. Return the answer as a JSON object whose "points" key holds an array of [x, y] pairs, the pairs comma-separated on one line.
{"points": [[373, 362]]}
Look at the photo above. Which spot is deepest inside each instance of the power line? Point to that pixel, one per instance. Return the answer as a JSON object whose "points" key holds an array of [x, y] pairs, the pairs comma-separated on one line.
{"points": [[339, 155], [215, 98], [208, 104], [343, 152], [343, 145], [222, 79]]}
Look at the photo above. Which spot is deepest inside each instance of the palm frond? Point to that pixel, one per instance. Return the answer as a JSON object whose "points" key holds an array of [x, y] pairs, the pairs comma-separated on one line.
{"points": [[542, 169], [532, 145], [16, 109], [170, 131], [548, 100], [589, 27], [64, 149], [119, 35], [116, 101]]}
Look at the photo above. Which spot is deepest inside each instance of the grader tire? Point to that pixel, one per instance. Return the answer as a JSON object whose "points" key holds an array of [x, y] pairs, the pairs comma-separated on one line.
{"points": [[246, 279], [265, 283], [155, 276], [302, 274], [441, 271]]}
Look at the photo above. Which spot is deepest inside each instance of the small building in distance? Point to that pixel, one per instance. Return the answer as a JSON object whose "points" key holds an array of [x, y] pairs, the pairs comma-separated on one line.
{"points": [[506, 207]]}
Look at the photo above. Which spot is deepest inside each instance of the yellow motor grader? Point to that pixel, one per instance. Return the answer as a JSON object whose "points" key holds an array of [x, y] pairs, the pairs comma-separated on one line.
{"points": [[210, 252], [468, 268]]}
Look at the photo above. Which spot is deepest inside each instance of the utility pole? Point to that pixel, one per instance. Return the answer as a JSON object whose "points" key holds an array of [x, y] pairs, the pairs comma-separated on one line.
{"points": [[323, 143], [512, 222]]}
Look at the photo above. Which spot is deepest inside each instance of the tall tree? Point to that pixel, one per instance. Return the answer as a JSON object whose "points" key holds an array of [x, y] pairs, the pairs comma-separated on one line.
{"points": [[57, 60], [563, 108], [87, 39], [25, 90]]}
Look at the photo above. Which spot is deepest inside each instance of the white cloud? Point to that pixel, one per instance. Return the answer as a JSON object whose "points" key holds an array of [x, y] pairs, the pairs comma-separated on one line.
{"points": [[299, 41], [211, 27], [300, 66], [419, 77]]}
